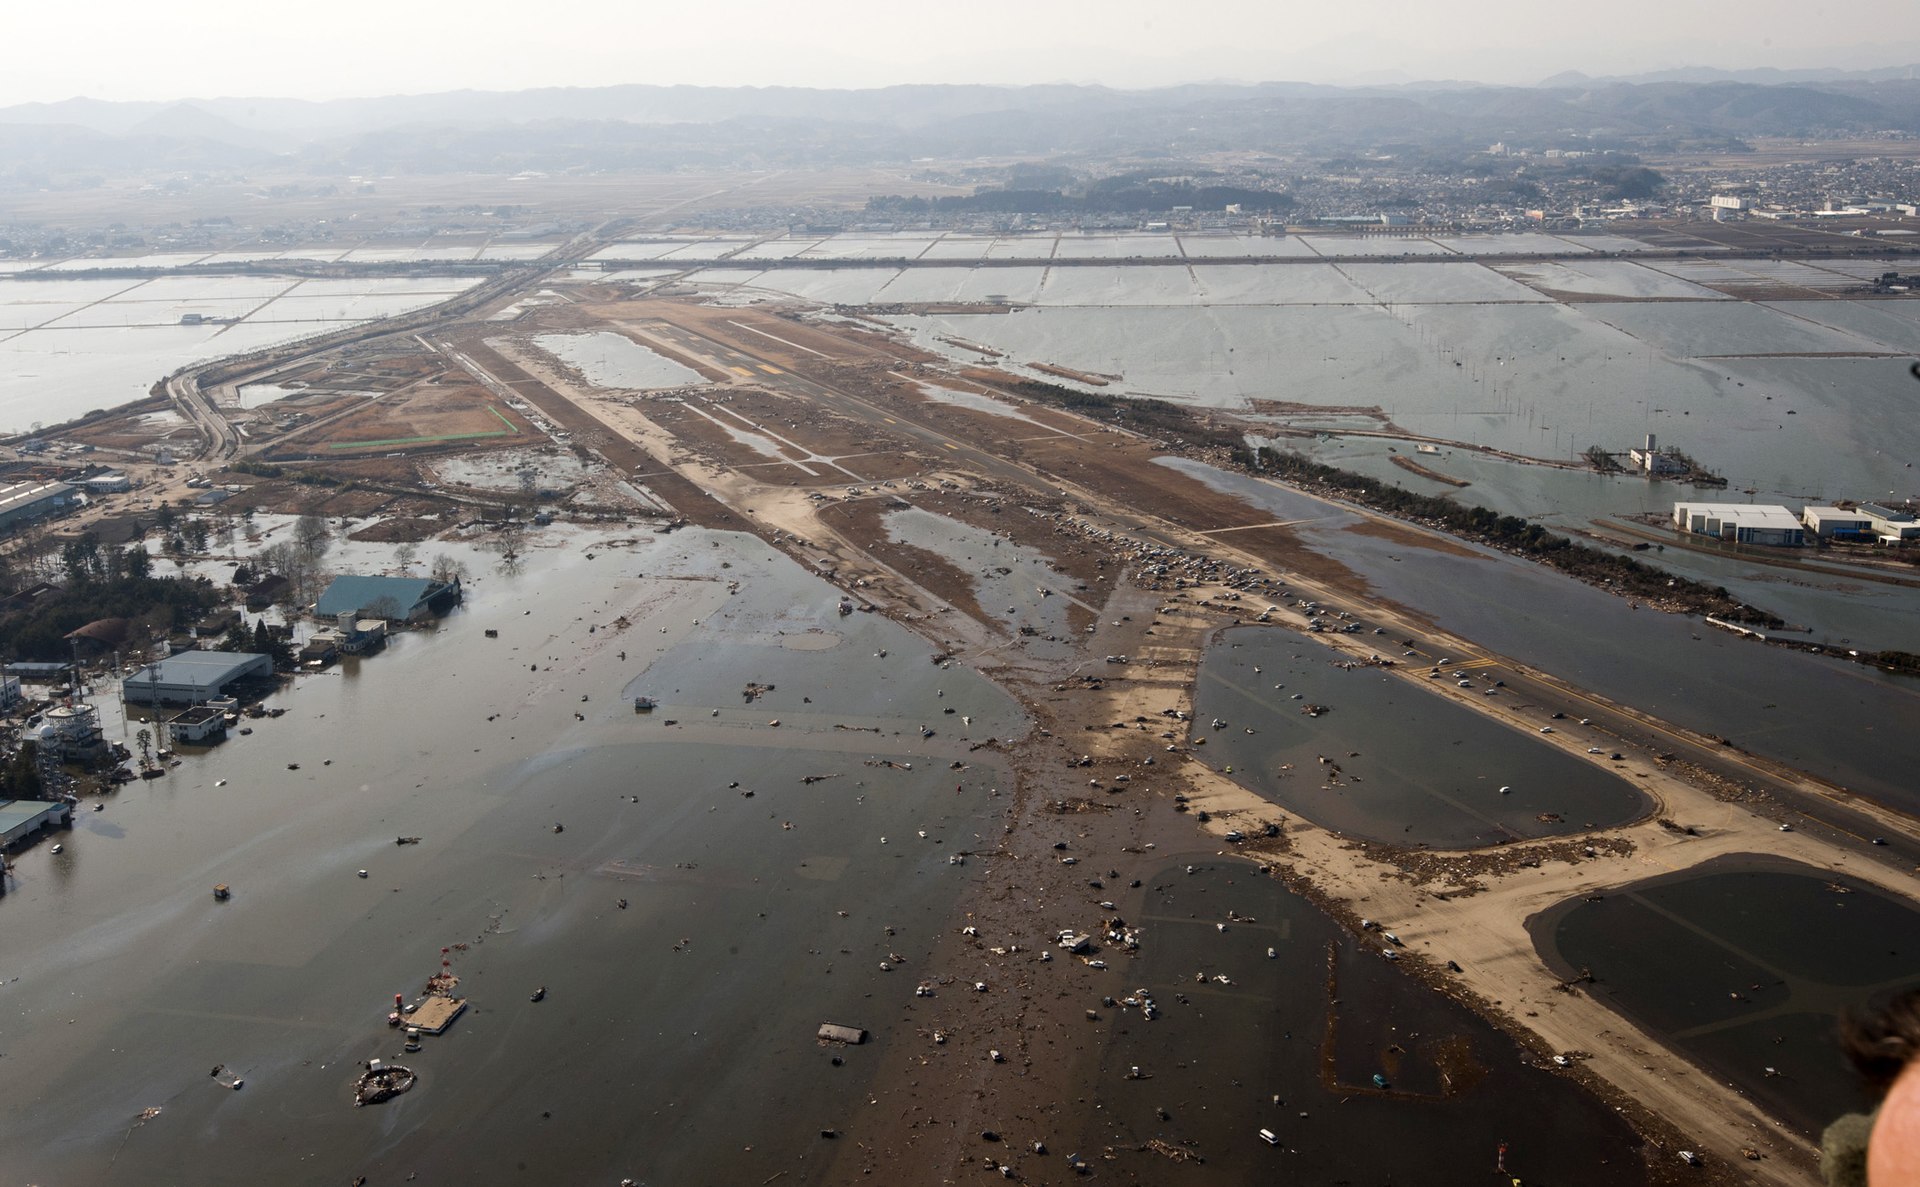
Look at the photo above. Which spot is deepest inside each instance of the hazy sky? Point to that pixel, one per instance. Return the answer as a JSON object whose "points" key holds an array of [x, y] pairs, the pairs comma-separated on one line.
{"points": [[169, 49]]}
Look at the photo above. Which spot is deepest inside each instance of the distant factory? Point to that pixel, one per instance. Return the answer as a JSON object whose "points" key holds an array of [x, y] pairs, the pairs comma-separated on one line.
{"points": [[1868, 523], [1741, 523], [1758, 523]]}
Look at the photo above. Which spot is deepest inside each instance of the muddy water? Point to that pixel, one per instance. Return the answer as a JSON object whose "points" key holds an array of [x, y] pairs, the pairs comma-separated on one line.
{"points": [[1745, 964], [676, 1040], [1779, 704], [1387, 761], [1291, 1043], [1835, 608], [1015, 585]]}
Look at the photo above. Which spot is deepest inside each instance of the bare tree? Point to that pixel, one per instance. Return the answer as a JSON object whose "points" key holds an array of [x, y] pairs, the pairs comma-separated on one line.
{"points": [[405, 555], [312, 536], [446, 570]]}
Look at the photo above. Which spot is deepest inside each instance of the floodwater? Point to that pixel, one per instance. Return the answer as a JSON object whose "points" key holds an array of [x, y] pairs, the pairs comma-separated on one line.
{"points": [[1779, 397], [1291, 1042], [1745, 963], [1834, 608], [1388, 761], [1015, 585], [614, 360], [676, 1040], [976, 402], [1781, 704], [70, 346]]}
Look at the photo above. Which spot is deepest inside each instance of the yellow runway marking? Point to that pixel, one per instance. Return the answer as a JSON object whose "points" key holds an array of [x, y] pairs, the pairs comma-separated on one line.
{"points": [[741, 371], [771, 370]]}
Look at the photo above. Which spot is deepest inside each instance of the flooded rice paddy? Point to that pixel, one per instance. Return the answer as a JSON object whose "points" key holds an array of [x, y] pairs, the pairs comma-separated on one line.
{"points": [[1746, 963], [1387, 760], [68, 346]]}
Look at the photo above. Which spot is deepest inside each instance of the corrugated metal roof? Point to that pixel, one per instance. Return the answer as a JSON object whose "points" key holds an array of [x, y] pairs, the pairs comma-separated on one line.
{"points": [[351, 594], [202, 668]]}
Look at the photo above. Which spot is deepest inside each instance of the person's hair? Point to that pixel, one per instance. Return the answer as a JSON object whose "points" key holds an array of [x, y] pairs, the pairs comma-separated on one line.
{"points": [[1881, 1042]]}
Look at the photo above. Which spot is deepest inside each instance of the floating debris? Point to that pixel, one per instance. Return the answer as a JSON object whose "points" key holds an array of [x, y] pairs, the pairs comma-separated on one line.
{"points": [[381, 1081], [833, 1032]]}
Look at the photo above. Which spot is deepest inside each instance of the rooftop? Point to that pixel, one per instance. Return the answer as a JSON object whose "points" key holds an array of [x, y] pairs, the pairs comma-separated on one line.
{"points": [[1750, 515], [196, 667], [355, 594]]}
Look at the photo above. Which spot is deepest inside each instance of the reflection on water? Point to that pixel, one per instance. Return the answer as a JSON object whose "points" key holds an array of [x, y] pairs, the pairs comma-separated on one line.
{"points": [[696, 893], [1780, 704], [1746, 963], [1281, 1022], [1387, 761]]}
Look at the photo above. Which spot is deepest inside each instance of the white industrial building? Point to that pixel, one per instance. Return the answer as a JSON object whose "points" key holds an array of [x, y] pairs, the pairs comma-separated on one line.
{"points": [[193, 677], [1742, 523], [1828, 522], [1890, 526]]}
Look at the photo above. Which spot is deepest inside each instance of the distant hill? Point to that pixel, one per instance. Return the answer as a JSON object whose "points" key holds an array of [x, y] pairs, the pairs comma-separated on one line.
{"points": [[652, 127], [1760, 76]]}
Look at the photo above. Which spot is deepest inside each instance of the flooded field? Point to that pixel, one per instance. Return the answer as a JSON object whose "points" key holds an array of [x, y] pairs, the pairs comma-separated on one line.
{"points": [[1745, 963], [613, 360], [1014, 585], [1779, 704], [1282, 1022], [696, 889], [1834, 607], [73, 345], [1387, 761]]}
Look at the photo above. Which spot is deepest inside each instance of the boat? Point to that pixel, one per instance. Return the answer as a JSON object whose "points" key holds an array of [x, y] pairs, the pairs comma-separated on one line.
{"points": [[644, 704], [382, 1081], [1379, 1081], [57, 849], [221, 892], [538, 994]]}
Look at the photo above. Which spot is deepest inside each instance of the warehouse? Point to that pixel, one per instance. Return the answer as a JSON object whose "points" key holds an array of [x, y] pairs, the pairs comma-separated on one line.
{"points": [[1742, 523], [394, 598], [20, 819], [193, 677], [24, 502], [1830, 523]]}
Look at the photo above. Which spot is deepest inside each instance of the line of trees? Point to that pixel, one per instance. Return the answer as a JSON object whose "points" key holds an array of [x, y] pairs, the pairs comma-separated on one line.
{"points": [[1510, 533]]}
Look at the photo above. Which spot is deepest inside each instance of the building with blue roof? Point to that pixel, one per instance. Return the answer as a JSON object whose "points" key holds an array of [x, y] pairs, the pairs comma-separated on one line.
{"points": [[402, 598]]}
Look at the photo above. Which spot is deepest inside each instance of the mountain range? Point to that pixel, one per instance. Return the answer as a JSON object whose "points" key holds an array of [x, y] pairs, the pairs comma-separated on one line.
{"points": [[651, 127]]}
